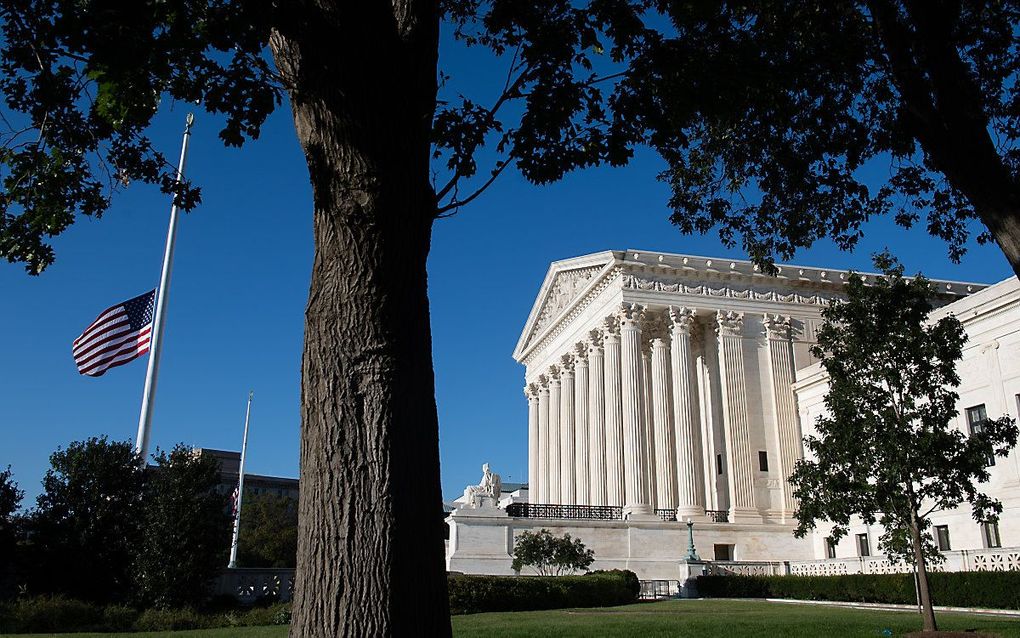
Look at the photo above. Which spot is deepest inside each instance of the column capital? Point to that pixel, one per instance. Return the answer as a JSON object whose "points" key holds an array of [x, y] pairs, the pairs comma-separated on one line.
{"points": [[776, 326], [729, 324], [531, 391], [681, 319], [594, 342], [543, 382], [567, 364], [611, 329], [654, 329], [630, 315], [554, 374], [581, 353]]}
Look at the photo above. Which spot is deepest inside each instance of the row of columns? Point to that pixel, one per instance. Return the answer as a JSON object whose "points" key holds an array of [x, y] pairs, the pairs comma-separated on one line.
{"points": [[616, 420]]}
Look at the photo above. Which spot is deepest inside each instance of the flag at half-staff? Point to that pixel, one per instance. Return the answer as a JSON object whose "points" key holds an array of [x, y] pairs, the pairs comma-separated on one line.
{"points": [[120, 334]]}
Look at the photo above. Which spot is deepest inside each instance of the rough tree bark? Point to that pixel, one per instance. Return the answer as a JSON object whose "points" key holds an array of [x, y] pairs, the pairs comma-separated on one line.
{"points": [[362, 82]]}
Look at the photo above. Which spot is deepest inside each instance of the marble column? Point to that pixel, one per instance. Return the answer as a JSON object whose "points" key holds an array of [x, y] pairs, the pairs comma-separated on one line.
{"points": [[686, 413], [788, 436], [596, 419], [614, 414], [632, 394], [531, 392], [647, 429], [567, 481], [554, 435], [582, 452], [542, 495], [662, 422], [736, 423]]}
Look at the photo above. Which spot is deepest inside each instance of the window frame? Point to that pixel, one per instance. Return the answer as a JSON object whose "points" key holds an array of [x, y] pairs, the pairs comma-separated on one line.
{"points": [[864, 549], [987, 529], [939, 531], [763, 461]]}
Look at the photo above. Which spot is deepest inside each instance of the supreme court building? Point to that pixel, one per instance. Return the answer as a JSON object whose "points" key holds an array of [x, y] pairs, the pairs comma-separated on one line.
{"points": [[664, 388]]}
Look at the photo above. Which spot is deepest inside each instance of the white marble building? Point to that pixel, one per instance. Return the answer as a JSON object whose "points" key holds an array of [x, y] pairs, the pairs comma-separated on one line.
{"points": [[665, 388]]}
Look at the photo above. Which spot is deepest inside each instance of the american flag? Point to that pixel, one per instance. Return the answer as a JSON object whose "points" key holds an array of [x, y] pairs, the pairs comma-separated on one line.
{"points": [[118, 335]]}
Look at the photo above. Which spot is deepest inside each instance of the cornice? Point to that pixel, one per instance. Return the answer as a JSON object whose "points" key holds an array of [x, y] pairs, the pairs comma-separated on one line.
{"points": [[709, 277]]}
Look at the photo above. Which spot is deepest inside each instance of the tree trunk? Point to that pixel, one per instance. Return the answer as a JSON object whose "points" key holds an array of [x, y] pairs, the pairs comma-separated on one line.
{"points": [[927, 611], [362, 82], [942, 109]]}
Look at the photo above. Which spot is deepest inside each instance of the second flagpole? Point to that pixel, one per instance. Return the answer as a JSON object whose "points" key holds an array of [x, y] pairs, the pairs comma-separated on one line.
{"points": [[159, 316]]}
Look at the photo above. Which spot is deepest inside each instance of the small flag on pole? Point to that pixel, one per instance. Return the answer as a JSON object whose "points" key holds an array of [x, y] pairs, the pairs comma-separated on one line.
{"points": [[118, 335]]}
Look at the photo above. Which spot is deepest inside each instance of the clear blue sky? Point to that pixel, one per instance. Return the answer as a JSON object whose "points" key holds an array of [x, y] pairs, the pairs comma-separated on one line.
{"points": [[241, 278]]}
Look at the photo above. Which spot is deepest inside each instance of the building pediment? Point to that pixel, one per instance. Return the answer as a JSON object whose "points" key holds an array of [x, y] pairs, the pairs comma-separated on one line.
{"points": [[565, 283]]}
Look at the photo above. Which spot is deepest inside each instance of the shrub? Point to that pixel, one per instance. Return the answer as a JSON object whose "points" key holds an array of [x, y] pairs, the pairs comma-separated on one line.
{"points": [[993, 590], [473, 594], [49, 614], [172, 620]]}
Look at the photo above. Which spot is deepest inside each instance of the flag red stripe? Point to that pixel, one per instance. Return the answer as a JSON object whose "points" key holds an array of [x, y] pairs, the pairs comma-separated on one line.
{"points": [[129, 349], [98, 327], [121, 362], [102, 319], [85, 360], [114, 350], [110, 333]]}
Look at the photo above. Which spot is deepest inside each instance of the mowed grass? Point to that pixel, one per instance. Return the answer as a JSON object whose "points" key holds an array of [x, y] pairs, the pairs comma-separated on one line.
{"points": [[693, 618]]}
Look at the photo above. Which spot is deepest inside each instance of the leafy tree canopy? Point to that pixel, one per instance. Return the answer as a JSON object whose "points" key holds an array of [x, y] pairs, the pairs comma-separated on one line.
{"points": [[268, 534], [551, 555], [768, 114], [887, 450], [85, 528], [185, 530]]}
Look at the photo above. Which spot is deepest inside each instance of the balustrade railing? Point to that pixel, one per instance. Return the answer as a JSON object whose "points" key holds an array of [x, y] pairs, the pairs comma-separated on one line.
{"points": [[666, 514], [718, 516], [581, 512]]}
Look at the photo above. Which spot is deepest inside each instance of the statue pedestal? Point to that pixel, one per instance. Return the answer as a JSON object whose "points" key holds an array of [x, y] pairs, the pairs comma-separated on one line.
{"points": [[481, 540]]}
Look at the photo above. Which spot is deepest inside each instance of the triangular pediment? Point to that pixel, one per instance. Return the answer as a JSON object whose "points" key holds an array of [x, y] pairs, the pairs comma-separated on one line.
{"points": [[564, 284]]}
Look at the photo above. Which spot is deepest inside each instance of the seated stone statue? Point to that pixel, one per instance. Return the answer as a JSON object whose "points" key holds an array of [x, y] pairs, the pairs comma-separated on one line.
{"points": [[486, 493]]}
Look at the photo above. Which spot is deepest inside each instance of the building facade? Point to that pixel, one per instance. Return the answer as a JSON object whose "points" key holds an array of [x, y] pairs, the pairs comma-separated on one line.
{"points": [[666, 388]]}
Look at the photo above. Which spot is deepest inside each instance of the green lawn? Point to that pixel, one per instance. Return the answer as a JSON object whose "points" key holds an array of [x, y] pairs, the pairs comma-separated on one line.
{"points": [[695, 618]]}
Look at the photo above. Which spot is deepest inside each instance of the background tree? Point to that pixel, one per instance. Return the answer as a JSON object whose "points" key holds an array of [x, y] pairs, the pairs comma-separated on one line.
{"points": [[85, 531], [551, 555], [774, 116], [887, 449], [10, 501], [268, 534], [185, 530]]}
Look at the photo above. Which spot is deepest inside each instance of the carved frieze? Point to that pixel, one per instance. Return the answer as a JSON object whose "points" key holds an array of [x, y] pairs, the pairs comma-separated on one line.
{"points": [[565, 288], [635, 282]]}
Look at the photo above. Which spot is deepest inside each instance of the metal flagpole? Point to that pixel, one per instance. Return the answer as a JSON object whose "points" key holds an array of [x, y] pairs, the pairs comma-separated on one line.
{"points": [[159, 317], [240, 486]]}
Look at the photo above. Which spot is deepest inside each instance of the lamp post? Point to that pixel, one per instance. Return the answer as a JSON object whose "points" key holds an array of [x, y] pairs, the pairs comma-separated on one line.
{"points": [[692, 554]]}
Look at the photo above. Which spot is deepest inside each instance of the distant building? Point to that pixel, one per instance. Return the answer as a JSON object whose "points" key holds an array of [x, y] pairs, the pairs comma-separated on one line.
{"points": [[230, 463]]}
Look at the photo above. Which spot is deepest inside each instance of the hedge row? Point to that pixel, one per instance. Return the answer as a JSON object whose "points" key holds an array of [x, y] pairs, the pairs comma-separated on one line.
{"points": [[468, 594], [473, 594], [56, 614], [992, 590]]}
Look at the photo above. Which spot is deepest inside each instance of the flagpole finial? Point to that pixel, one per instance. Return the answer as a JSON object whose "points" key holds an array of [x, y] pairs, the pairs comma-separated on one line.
{"points": [[188, 121]]}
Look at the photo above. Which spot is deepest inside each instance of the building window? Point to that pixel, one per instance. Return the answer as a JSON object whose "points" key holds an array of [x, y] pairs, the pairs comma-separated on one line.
{"points": [[942, 538], [990, 531], [718, 463], [863, 546], [830, 547], [976, 422], [723, 552], [763, 460]]}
